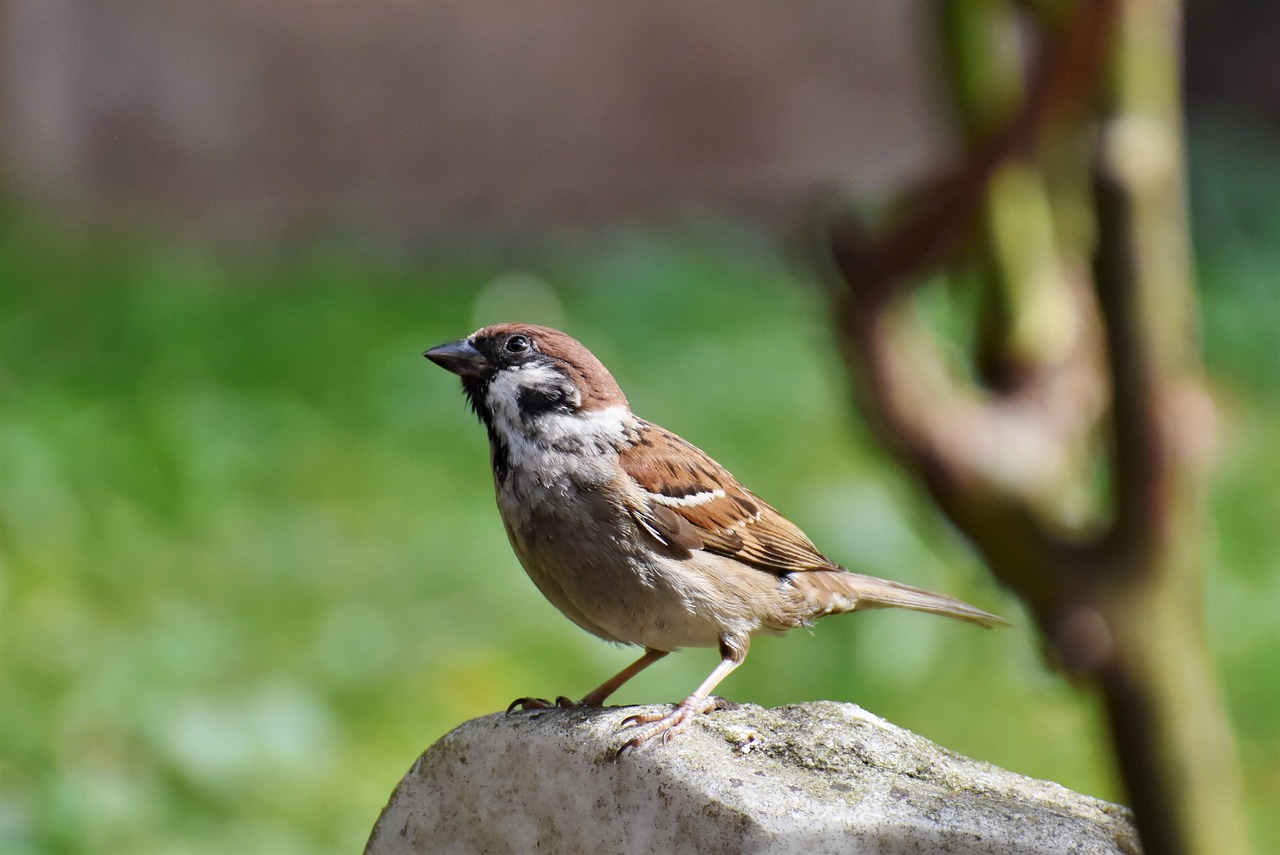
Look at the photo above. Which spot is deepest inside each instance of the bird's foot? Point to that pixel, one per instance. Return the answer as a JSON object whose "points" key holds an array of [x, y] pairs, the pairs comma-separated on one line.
{"points": [[561, 703], [671, 724]]}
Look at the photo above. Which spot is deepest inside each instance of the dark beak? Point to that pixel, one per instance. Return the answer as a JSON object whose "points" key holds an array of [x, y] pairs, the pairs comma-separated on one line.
{"points": [[460, 358]]}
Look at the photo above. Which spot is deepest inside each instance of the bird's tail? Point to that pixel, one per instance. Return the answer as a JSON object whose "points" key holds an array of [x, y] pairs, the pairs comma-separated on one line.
{"points": [[835, 591]]}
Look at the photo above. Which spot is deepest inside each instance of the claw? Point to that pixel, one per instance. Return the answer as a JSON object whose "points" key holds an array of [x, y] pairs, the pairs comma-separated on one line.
{"points": [[532, 704], [671, 724], [561, 703]]}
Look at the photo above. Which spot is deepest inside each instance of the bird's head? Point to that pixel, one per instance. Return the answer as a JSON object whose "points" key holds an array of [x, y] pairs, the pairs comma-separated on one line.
{"points": [[517, 375]]}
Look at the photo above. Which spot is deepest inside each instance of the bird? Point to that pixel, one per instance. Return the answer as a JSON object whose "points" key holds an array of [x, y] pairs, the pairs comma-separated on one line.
{"points": [[635, 534]]}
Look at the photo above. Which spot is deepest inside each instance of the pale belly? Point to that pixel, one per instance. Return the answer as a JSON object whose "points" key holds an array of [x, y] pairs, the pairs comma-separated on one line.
{"points": [[620, 596], [588, 558]]}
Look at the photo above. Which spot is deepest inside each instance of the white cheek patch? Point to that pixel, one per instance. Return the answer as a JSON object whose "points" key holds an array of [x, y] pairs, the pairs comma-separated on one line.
{"points": [[552, 444], [688, 501], [504, 392], [606, 427], [609, 423], [503, 397], [508, 382]]}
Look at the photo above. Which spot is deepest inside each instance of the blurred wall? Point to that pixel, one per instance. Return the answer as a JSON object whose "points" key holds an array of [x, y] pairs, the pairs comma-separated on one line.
{"points": [[258, 120], [1233, 66]]}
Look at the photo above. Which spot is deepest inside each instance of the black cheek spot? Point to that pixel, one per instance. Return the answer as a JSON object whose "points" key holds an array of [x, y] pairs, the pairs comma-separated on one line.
{"points": [[534, 401]]}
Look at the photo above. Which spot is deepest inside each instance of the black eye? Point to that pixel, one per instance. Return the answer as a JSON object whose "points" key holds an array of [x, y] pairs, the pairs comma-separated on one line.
{"points": [[518, 344]]}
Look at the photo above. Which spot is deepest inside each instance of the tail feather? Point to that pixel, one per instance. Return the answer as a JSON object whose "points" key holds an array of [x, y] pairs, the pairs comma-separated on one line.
{"points": [[835, 591]]}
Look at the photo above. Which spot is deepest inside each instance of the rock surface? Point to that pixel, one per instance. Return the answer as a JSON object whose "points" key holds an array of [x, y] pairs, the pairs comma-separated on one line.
{"points": [[814, 778]]}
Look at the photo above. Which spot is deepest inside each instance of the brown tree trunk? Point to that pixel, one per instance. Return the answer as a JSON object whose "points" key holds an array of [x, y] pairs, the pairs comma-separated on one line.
{"points": [[1069, 205]]}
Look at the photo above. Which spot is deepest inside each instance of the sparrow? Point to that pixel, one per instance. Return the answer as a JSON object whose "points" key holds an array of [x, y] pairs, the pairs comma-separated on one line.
{"points": [[636, 535]]}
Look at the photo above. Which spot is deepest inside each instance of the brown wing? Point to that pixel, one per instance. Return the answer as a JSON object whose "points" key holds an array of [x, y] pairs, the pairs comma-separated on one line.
{"points": [[692, 502]]}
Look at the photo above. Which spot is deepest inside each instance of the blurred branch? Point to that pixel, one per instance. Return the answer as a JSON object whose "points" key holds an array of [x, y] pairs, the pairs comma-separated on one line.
{"points": [[941, 213], [995, 462], [1173, 740], [1063, 361], [1026, 280]]}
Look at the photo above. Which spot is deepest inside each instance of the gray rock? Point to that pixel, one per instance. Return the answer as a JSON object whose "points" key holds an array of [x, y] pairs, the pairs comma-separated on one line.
{"points": [[813, 778]]}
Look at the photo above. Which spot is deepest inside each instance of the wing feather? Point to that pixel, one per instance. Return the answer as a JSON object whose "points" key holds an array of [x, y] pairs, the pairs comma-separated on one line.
{"points": [[691, 502]]}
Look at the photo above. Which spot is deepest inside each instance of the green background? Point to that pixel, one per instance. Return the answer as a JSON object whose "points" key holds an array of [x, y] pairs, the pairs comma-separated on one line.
{"points": [[250, 564]]}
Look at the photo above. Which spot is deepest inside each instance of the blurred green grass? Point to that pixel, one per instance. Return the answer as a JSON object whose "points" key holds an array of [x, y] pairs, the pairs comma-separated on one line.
{"points": [[250, 564]]}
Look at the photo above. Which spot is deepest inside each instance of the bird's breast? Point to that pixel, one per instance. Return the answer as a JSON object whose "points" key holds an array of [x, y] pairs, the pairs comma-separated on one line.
{"points": [[584, 552]]}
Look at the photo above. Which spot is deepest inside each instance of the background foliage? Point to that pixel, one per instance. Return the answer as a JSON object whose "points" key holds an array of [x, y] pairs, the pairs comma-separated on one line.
{"points": [[250, 564]]}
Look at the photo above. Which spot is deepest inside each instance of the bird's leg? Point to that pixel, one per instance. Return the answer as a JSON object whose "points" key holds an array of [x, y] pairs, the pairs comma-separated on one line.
{"points": [[597, 696], [608, 687], [733, 651]]}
